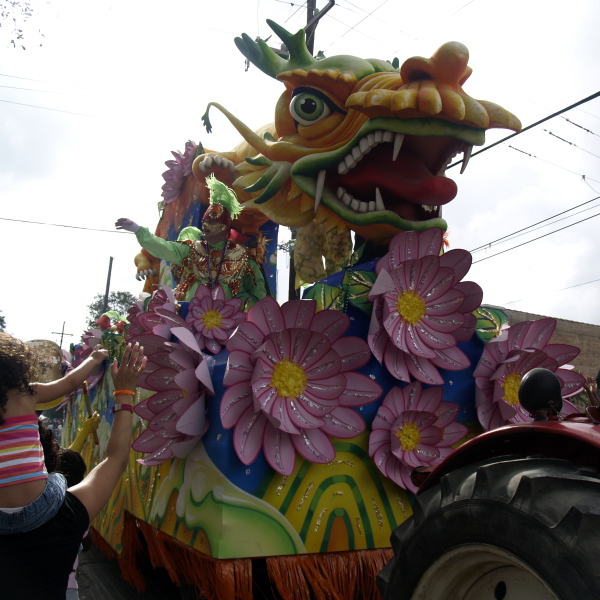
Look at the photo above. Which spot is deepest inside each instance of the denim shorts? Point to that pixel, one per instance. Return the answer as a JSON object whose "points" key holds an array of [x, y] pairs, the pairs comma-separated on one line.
{"points": [[38, 512]]}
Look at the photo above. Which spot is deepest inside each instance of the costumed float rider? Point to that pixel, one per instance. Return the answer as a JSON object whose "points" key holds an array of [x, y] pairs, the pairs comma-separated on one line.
{"points": [[208, 256]]}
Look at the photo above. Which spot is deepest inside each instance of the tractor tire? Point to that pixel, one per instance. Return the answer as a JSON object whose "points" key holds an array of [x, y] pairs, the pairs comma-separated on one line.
{"points": [[508, 528]]}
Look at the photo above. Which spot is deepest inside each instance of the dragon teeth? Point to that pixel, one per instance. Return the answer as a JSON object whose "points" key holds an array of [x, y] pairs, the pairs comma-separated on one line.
{"points": [[466, 157], [360, 206], [320, 186], [398, 139], [378, 200]]}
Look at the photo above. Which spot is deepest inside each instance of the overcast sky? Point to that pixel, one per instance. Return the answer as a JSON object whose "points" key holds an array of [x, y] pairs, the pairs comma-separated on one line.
{"points": [[88, 119]]}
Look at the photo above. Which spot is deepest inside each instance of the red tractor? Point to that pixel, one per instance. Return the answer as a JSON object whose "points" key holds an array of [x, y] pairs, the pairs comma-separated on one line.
{"points": [[512, 514]]}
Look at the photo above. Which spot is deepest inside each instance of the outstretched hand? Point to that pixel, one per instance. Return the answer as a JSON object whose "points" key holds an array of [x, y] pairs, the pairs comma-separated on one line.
{"points": [[127, 225], [126, 374], [99, 354], [591, 385], [91, 423]]}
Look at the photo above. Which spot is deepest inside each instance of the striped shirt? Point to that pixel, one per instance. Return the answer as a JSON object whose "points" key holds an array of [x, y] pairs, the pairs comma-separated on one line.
{"points": [[21, 453]]}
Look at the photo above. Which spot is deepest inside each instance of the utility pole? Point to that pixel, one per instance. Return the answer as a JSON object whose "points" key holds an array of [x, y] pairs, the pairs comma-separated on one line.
{"points": [[313, 16], [62, 334], [107, 285]]}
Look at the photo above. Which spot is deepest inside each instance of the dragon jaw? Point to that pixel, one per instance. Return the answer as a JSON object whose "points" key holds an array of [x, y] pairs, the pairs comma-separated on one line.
{"points": [[389, 177]]}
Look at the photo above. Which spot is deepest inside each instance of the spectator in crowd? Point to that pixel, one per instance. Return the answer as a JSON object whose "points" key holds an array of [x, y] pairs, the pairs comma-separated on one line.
{"points": [[42, 524]]}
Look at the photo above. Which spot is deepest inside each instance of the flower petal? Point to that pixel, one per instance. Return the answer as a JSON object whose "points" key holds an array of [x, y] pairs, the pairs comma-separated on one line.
{"points": [[279, 450], [248, 435], [266, 315], [235, 401], [331, 323], [298, 313], [343, 423], [314, 445], [359, 390]]}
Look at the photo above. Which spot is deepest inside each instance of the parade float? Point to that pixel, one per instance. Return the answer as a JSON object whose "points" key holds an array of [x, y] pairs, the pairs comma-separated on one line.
{"points": [[277, 446]]}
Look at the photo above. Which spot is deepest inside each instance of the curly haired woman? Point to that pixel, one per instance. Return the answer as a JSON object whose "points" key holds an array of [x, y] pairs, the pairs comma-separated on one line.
{"points": [[41, 524]]}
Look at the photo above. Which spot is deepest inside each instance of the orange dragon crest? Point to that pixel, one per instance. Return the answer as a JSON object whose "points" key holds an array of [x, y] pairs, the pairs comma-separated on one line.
{"points": [[356, 145]]}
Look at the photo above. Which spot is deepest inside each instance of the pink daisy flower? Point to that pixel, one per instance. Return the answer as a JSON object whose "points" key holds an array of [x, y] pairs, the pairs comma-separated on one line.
{"points": [[179, 169], [213, 319], [413, 428], [179, 375], [506, 359], [421, 307], [291, 383]]}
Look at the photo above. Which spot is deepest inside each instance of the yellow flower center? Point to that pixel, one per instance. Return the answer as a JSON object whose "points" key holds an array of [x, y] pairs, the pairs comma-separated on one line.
{"points": [[409, 436], [411, 307], [212, 318], [289, 379], [511, 388]]}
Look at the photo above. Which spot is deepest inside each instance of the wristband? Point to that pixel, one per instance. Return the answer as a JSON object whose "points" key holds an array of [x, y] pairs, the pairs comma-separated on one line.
{"points": [[123, 393], [118, 407]]}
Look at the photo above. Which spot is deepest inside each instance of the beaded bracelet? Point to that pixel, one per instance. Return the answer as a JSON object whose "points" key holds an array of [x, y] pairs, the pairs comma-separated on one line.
{"points": [[123, 393]]}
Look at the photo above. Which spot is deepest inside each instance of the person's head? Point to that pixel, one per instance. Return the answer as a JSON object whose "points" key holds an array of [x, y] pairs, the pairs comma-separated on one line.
{"points": [[18, 369], [224, 206], [72, 466], [216, 228], [49, 445]]}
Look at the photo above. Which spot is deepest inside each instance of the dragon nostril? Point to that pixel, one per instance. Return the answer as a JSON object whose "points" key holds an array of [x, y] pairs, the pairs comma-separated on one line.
{"points": [[418, 75]]}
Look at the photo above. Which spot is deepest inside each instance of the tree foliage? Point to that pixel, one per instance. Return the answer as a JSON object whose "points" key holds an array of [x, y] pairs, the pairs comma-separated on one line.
{"points": [[2, 322], [13, 16], [120, 302]]}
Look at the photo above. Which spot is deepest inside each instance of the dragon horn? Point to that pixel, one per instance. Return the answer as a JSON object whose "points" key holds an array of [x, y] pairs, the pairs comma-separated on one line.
{"points": [[274, 150], [267, 60]]}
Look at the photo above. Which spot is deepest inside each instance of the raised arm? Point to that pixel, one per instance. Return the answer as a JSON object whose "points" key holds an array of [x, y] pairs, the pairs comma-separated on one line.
{"points": [[174, 252], [90, 425], [95, 490], [45, 392]]}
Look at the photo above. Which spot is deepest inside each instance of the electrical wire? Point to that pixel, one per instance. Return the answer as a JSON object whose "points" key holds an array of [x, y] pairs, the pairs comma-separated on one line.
{"points": [[584, 177], [43, 81], [570, 287], [534, 224], [580, 127], [512, 135], [570, 143], [531, 229], [535, 239], [68, 112], [357, 24], [12, 87], [59, 225]]}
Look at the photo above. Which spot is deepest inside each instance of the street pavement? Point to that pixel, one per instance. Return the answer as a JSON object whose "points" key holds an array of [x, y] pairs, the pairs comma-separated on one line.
{"points": [[99, 578]]}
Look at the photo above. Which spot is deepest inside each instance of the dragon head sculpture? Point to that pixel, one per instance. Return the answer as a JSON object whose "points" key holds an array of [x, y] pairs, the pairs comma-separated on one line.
{"points": [[359, 144]]}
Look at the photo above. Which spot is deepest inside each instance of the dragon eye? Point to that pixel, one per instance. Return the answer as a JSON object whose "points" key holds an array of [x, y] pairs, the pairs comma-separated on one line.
{"points": [[309, 108]]}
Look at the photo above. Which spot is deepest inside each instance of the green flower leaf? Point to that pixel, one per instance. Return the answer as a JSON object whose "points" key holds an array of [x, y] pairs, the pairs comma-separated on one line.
{"points": [[326, 296], [358, 285], [489, 323]]}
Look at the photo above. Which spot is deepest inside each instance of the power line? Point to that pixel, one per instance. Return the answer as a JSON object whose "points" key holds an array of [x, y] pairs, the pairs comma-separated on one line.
{"points": [[535, 239], [580, 127], [545, 293], [570, 143], [534, 224], [437, 24], [512, 135], [584, 177], [532, 228], [43, 81], [12, 87], [374, 16], [59, 225], [68, 112], [357, 24]]}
